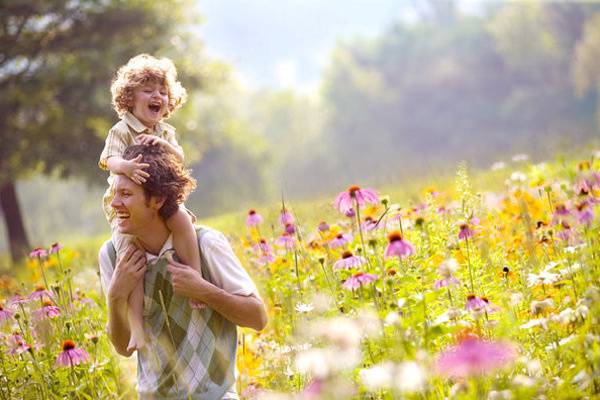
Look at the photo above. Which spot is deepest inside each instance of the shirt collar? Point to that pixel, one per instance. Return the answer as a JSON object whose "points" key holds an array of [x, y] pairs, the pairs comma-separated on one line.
{"points": [[168, 245], [135, 124]]}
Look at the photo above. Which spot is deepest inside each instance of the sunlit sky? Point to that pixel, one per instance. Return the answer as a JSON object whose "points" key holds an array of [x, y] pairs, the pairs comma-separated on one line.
{"points": [[286, 43]]}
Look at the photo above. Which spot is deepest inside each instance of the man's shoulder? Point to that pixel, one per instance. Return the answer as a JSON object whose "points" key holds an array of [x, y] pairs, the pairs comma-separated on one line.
{"points": [[107, 253]]}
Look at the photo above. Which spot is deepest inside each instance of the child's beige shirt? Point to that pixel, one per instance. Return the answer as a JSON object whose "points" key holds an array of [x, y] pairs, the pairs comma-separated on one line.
{"points": [[120, 137]]}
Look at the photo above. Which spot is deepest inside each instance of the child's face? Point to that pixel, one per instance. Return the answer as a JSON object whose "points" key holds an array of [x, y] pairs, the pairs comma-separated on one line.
{"points": [[150, 102]]}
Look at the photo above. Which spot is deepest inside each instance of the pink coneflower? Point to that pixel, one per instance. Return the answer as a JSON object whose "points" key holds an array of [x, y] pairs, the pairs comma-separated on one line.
{"points": [[285, 218], [398, 246], [5, 314], [71, 355], [38, 252], [39, 293], [55, 247], [566, 234], [344, 201], [265, 259], [489, 306], [585, 213], [452, 281], [254, 219], [341, 240], [350, 213], [349, 261], [48, 310], [474, 302], [285, 240], [323, 226], [466, 231], [17, 300], [19, 347], [370, 224], [15, 338], [289, 228], [358, 279], [262, 247], [561, 212], [473, 357]]}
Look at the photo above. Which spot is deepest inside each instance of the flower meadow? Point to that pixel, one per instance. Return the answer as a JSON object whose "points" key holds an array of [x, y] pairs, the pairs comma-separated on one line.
{"points": [[462, 292]]}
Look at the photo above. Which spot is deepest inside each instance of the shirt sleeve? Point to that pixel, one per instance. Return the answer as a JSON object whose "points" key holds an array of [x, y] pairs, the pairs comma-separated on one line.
{"points": [[171, 137], [225, 268], [115, 145], [106, 268]]}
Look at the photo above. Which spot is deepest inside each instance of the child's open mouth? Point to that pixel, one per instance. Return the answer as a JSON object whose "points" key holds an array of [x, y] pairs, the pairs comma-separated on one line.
{"points": [[154, 108]]}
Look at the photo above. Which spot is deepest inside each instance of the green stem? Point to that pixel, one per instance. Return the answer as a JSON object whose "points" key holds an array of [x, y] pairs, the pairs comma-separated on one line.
{"points": [[469, 263]]}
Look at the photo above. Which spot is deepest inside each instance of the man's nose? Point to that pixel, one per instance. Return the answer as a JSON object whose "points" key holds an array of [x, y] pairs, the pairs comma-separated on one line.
{"points": [[115, 201]]}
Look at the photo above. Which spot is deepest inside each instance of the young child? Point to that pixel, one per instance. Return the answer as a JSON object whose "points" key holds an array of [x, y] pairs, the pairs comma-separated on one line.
{"points": [[144, 93]]}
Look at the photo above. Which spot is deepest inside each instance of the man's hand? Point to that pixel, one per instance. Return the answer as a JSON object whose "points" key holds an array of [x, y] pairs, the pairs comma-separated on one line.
{"points": [[129, 270], [134, 170], [186, 280]]}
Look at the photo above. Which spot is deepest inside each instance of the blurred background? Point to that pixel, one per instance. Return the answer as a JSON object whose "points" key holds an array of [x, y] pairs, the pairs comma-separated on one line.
{"points": [[297, 99]]}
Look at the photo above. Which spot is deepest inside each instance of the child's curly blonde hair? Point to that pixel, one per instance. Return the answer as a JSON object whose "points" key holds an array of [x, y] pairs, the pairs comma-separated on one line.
{"points": [[139, 70]]}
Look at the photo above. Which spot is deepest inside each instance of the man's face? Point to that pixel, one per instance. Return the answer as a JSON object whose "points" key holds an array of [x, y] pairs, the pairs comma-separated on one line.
{"points": [[134, 212], [150, 102]]}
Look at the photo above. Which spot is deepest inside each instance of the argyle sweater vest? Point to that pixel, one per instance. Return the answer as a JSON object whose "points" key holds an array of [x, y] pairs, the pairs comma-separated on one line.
{"points": [[190, 353]]}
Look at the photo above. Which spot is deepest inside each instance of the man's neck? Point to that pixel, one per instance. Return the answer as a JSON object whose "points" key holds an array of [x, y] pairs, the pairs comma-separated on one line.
{"points": [[153, 240]]}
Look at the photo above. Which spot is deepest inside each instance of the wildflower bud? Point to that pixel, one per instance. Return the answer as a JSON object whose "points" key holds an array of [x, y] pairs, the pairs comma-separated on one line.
{"points": [[68, 324], [385, 200], [17, 315], [321, 260]]}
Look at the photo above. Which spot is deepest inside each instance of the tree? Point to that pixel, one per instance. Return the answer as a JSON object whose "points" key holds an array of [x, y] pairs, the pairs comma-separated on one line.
{"points": [[56, 62]]}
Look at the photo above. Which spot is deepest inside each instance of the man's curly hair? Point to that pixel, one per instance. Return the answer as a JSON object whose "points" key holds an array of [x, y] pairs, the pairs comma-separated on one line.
{"points": [[168, 177], [139, 70]]}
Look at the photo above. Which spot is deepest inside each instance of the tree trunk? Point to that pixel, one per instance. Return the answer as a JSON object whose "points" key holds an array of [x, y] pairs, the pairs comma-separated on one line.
{"points": [[17, 237]]}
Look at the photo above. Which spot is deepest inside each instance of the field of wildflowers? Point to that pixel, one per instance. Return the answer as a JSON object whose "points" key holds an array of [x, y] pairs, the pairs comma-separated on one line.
{"points": [[465, 293]]}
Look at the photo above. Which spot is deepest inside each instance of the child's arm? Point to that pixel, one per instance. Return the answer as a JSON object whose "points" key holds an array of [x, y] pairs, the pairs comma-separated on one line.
{"points": [[155, 140], [133, 169]]}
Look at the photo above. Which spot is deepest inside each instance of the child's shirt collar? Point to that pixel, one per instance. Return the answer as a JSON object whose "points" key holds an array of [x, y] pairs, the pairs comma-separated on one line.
{"points": [[135, 124]]}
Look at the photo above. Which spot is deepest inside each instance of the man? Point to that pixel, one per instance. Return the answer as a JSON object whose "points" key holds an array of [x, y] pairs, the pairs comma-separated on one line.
{"points": [[190, 353]]}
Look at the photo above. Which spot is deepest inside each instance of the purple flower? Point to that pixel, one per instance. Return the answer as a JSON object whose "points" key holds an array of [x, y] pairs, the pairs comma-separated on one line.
{"points": [[465, 231], [38, 252], [349, 261], [289, 228], [341, 240], [489, 306], [55, 247], [561, 212], [265, 259], [285, 218], [15, 338], [285, 240], [17, 300], [473, 357], [370, 224], [452, 281], [358, 279], [71, 355], [5, 314], [262, 247], [343, 201], [323, 226], [398, 246], [474, 302], [254, 219], [585, 213], [19, 347], [39, 293], [48, 310], [350, 213]]}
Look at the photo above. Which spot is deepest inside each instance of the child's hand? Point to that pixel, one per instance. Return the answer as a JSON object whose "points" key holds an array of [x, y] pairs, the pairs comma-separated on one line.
{"points": [[134, 170], [146, 139]]}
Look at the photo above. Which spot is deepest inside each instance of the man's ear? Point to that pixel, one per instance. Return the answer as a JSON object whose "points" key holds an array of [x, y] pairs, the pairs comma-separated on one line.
{"points": [[157, 202]]}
